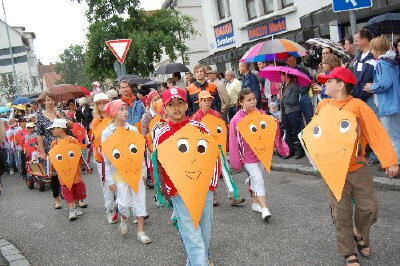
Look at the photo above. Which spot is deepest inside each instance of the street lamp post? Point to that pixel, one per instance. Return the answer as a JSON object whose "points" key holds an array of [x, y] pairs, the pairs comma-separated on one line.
{"points": [[9, 45]]}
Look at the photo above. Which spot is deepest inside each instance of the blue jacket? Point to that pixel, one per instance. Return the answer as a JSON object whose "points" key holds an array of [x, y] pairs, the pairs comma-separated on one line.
{"points": [[364, 75], [387, 84], [135, 112], [250, 81]]}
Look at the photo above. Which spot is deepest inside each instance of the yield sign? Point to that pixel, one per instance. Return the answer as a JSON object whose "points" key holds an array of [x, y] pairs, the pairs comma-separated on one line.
{"points": [[119, 48]]}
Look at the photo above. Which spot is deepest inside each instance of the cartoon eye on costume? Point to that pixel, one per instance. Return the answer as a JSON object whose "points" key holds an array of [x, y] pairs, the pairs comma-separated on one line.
{"points": [[345, 126], [183, 145], [133, 148], [202, 146], [219, 129], [71, 154], [59, 157], [263, 125], [116, 154], [253, 128], [317, 131]]}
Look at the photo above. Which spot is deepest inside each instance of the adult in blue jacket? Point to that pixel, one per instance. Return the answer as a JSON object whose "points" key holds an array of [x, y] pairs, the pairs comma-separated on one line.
{"points": [[135, 106], [386, 87], [250, 81]]}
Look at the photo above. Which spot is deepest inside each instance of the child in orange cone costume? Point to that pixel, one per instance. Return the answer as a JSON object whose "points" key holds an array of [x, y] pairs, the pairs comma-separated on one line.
{"points": [[187, 156], [351, 126], [66, 158], [123, 149]]}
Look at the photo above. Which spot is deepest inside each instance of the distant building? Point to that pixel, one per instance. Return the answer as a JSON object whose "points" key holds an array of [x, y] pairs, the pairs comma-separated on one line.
{"points": [[49, 75], [25, 61], [198, 47]]}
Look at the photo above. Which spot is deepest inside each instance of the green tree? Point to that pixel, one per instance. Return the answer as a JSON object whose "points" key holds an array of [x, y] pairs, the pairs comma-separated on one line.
{"points": [[152, 32], [72, 66]]}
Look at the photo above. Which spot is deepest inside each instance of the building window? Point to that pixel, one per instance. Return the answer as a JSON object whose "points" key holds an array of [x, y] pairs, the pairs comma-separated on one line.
{"points": [[221, 9], [268, 6], [286, 3], [251, 9], [7, 78], [35, 81]]}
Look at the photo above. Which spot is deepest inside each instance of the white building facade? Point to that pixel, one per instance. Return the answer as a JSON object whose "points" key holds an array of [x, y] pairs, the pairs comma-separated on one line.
{"points": [[25, 61], [198, 45], [234, 26]]}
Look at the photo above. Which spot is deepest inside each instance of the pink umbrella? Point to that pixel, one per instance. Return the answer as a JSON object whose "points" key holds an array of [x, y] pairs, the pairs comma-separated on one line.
{"points": [[273, 73]]}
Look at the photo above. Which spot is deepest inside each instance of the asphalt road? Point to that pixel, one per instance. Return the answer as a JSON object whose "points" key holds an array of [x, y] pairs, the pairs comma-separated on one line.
{"points": [[300, 233]]}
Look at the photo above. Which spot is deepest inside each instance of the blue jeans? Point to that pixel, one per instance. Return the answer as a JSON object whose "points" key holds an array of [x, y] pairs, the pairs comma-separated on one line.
{"points": [[371, 103], [306, 107], [392, 125], [195, 240]]}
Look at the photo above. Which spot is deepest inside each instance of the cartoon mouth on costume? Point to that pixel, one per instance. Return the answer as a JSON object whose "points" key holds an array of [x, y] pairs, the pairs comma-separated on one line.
{"points": [[327, 158], [67, 172], [193, 175], [260, 150]]}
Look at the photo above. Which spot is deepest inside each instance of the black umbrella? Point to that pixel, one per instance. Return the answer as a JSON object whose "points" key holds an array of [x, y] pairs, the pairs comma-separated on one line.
{"points": [[384, 24], [133, 79], [152, 84], [171, 68]]}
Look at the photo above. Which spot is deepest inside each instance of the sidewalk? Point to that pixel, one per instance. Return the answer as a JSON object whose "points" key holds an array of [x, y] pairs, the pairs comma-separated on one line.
{"points": [[303, 166]]}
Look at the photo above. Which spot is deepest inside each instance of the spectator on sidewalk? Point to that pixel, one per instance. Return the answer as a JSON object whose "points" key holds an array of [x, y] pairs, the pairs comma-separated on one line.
{"points": [[250, 81], [178, 80], [386, 87], [214, 77], [135, 106], [233, 87], [396, 47]]}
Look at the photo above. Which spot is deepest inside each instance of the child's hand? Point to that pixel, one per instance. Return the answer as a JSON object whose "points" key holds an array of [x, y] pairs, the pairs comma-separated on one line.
{"points": [[113, 187], [368, 87], [392, 171]]}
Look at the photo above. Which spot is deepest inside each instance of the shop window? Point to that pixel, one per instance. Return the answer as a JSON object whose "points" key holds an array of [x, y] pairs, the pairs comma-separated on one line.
{"points": [[268, 6], [251, 9], [221, 9], [286, 3]]}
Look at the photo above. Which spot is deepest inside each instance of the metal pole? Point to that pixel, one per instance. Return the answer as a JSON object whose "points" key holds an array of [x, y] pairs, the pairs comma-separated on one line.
{"points": [[353, 22], [123, 69], [9, 45]]}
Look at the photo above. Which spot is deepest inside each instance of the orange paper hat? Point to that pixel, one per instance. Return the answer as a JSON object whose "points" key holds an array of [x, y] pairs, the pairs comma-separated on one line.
{"points": [[218, 129], [125, 149], [259, 130], [65, 157], [330, 139], [189, 158]]}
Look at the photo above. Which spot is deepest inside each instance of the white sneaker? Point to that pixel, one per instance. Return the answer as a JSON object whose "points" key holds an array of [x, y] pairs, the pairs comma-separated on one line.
{"points": [[134, 221], [110, 216], [11, 172], [143, 238], [256, 207], [72, 215], [78, 212], [123, 227], [265, 214]]}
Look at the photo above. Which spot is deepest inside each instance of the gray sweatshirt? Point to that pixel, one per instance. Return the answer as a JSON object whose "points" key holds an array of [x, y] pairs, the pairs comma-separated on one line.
{"points": [[291, 94]]}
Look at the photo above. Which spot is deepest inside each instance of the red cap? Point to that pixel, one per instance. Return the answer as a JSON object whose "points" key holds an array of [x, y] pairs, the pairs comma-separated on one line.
{"points": [[173, 93], [341, 73]]}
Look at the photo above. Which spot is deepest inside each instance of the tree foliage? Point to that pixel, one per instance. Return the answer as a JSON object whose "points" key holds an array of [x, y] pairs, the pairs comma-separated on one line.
{"points": [[72, 66], [152, 34]]}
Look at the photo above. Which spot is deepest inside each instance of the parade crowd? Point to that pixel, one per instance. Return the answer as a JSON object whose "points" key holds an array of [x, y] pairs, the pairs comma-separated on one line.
{"points": [[366, 83]]}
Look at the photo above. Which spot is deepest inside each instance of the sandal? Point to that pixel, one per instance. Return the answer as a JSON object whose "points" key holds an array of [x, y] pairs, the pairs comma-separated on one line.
{"points": [[351, 261], [360, 247]]}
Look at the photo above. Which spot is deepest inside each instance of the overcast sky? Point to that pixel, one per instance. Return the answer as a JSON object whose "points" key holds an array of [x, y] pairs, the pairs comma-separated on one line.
{"points": [[56, 23]]}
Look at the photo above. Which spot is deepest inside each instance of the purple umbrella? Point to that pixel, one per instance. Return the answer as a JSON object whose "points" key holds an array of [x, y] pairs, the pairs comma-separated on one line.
{"points": [[273, 73]]}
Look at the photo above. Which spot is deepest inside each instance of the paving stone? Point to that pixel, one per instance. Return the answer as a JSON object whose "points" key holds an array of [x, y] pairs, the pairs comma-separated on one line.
{"points": [[14, 257], [23, 262], [4, 242]]}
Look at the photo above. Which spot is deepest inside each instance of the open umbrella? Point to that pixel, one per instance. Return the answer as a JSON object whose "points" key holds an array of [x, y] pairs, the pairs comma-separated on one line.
{"points": [[273, 73], [323, 43], [171, 68], [21, 100], [86, 91], [152, 84], [384, 24], [127, 77], [272, 50], [65, 92], [4, 109]]}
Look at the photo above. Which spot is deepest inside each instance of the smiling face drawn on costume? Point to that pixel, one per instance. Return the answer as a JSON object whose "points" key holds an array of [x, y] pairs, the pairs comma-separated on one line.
{"points": [[125, 150], [259, 131], [189, 157], [65, 157], [330, 139], [217, 128]]}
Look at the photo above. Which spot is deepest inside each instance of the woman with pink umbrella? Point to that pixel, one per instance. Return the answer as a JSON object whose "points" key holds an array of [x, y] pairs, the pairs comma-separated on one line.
{"points": [[292, 81]]}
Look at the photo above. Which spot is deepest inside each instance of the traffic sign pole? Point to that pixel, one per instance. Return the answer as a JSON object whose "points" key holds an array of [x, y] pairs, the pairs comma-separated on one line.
{"points": [[123, 69], [353, 22]]}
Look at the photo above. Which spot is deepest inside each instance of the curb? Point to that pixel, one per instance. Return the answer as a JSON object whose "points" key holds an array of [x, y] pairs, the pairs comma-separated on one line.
{"points": [[12, 255], [379, 181]]}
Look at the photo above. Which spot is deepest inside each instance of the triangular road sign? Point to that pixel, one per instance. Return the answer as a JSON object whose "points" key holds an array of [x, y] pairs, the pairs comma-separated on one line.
{"points": [[119, 48]]}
